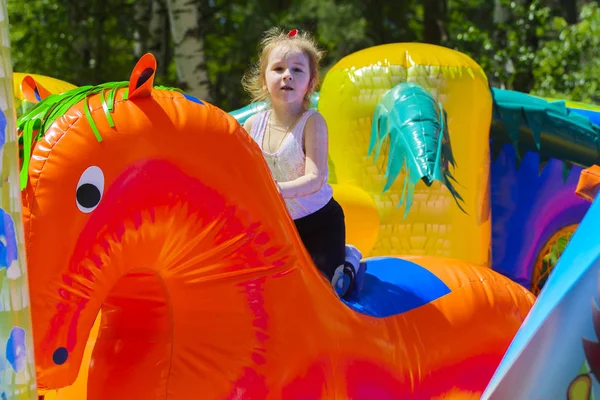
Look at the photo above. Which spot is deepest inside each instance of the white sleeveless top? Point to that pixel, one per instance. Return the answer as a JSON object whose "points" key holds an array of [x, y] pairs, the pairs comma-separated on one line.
{"points": [[288, 164]]}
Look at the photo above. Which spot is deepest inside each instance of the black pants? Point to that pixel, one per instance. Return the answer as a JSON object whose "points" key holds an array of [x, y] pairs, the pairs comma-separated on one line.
{"points": [[324, 236]]}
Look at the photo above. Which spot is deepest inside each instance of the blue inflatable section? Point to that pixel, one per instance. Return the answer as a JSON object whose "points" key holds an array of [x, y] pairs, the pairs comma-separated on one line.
{"points": [[393, 286], [193, 99], [522, 196]]}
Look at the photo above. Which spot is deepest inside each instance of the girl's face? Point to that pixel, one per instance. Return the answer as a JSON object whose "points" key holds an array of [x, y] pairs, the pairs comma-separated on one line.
{"points": [[287, 76]]}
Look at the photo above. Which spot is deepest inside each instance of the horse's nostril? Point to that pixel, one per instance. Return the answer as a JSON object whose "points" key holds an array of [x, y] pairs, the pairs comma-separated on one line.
{"points": [[60, 356]]}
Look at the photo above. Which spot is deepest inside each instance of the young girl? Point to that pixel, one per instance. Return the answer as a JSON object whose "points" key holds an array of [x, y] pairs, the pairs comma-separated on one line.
{"points": [[294, 143]]}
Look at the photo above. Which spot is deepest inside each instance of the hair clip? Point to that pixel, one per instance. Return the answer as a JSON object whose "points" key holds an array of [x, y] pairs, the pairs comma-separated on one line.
{"points": [[293, 32]]}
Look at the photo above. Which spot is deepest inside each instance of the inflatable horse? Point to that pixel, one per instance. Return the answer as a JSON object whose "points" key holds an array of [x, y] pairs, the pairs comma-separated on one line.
{"points": [[157, 210]]}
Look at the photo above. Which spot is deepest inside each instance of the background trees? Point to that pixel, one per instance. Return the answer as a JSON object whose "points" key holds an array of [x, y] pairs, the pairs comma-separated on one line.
{"points": [[545, 47]]}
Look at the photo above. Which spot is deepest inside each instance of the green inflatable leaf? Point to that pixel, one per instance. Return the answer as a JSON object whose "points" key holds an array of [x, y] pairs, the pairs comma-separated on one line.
{"points": [[415, 126], [549, 128]]}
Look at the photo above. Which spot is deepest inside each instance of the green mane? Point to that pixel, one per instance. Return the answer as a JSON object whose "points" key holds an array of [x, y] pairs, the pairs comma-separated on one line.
{"points": [[42, 115]]}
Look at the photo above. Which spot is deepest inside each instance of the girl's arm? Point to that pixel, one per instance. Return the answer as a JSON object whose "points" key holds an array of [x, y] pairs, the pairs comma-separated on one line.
{"points": [[316, 145]]}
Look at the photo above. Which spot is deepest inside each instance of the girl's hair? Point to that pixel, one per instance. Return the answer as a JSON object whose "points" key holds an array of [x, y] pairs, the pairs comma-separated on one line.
{"points": [[253, 80]]}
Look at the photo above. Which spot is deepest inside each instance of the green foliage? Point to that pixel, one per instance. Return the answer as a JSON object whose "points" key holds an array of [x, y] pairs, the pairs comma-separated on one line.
{"points": [[232, 42], [532, 49], [504, 43], [523, 45], [568, 65], [81, 42]]}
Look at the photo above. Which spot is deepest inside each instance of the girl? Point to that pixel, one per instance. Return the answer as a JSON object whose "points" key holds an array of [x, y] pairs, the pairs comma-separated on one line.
{"points": [[294, 143]]}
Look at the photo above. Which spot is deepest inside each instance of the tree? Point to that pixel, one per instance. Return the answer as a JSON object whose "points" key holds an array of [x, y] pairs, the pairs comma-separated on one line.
{"points": [[525, 45], [188, 47], [153, 33], [434, 23], [568, 65], [98, 48]]}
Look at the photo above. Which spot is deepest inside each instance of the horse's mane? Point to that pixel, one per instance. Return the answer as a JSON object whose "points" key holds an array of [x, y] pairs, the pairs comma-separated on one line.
{"points": [[34, 123]]}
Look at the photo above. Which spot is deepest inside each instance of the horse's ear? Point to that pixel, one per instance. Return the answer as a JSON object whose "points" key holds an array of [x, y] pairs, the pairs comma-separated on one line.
{"points": [[33, 91], [142, 77]]}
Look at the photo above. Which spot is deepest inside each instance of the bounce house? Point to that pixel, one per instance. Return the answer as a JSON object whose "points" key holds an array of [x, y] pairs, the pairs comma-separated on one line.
{"points": [[162, 262], [201, 280]]}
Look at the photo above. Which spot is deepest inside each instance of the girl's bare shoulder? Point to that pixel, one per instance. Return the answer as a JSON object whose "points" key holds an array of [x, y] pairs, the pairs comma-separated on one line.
{"points": [[316, 122], [249, 122]]}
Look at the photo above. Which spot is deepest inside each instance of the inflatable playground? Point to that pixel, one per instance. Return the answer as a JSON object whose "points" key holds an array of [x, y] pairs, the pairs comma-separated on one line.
{"points": [[146, 253]]}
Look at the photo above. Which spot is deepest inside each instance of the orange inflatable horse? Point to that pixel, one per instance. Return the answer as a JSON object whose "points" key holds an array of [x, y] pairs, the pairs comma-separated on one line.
{"points": [[158, 209]]}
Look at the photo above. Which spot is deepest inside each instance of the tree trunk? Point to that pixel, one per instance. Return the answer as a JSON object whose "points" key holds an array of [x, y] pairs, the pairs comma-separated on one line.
{"points": [[501, 12], [184, 18], [143, 12], [152, 34], [524, 79], [434, 24], [99, 45], [569, 8], [501, 17], [159, 36]]}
